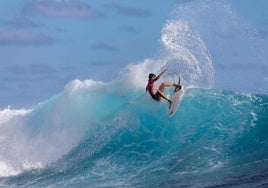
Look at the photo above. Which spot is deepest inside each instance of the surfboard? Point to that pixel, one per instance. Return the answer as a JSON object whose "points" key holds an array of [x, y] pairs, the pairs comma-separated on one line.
{"points": [[175, 101]]}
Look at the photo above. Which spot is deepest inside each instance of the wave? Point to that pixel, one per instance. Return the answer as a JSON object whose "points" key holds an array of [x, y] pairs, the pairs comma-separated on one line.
{"points": [[38, 137], [92, 133]]}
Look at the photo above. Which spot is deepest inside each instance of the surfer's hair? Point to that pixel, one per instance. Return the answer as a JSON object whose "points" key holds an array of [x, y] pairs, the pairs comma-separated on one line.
{"points": [[151, 75]]}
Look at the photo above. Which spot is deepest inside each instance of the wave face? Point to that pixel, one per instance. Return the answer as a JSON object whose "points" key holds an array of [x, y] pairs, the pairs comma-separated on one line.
{"points": [[98, 134], [89, 135]]}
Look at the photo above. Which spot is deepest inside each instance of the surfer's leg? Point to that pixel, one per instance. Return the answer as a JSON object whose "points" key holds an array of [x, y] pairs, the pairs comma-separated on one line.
{"points": [[163, 96], [168, 84], [161, 90]]}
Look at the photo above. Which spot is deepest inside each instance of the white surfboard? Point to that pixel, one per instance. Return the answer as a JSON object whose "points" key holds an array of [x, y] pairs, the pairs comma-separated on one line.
{"points": [[176, 99]]}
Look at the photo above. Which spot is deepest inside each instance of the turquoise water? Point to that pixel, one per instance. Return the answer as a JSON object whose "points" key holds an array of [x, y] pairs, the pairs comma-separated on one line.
{"points": [[216, 138]]}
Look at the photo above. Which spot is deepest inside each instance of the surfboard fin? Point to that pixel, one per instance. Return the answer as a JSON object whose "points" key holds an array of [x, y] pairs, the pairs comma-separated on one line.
{"points": [[178, 88]]}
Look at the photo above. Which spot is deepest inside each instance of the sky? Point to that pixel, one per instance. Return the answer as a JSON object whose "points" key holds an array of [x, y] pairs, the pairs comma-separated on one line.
{"points": [[44, 44]]}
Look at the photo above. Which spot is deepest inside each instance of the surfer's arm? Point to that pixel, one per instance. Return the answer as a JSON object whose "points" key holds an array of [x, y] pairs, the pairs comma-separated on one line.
{"points": [[160, 75]]}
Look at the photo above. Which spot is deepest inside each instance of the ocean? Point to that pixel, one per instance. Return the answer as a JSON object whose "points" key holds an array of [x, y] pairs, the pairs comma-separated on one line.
{"points": [[88, 136], [112, 134]]}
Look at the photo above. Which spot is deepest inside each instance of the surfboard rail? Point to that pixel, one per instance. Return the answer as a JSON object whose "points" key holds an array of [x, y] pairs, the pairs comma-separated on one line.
{"points": [[175, 102]]}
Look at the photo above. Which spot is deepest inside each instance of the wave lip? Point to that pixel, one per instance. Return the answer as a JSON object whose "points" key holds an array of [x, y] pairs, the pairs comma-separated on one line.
{"points": [[8, 113]]}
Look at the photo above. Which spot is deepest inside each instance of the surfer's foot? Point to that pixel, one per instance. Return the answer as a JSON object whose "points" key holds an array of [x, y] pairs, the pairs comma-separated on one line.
{"points": [[177, 85], [170, 102]]}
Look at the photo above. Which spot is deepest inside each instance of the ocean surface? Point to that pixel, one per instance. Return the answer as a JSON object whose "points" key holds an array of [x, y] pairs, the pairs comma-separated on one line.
{"points": [[88, 136], [112, 134]]}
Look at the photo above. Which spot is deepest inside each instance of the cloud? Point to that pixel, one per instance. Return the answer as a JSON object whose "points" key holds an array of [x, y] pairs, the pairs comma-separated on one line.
{"points": [[23, 37], [60, 9], [128, 11], [103, 46], [129, 29], [19, 23], [32, 69], [18, 33]]}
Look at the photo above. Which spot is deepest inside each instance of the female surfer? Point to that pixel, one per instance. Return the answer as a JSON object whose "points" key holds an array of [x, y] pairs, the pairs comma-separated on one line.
{"points": [[158, 92]]}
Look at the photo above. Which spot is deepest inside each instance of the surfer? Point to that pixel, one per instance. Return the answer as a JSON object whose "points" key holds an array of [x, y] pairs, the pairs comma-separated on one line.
{"points": [[158, 92]]}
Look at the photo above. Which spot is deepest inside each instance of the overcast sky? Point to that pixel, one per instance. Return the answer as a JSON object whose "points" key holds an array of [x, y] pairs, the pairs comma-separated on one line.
{"points": [[44, 44]]}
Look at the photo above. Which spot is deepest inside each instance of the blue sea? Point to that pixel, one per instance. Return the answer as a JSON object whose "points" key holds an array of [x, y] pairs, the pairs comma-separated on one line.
{"points": [[108, 134], [88, 136]]}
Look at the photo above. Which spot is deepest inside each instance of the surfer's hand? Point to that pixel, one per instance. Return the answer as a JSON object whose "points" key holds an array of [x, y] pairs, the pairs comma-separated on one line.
{"points": [[163, 72]]}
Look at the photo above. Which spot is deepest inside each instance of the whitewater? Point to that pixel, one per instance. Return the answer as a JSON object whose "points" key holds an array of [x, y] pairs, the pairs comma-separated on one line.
{"points": [[111, 134]]}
